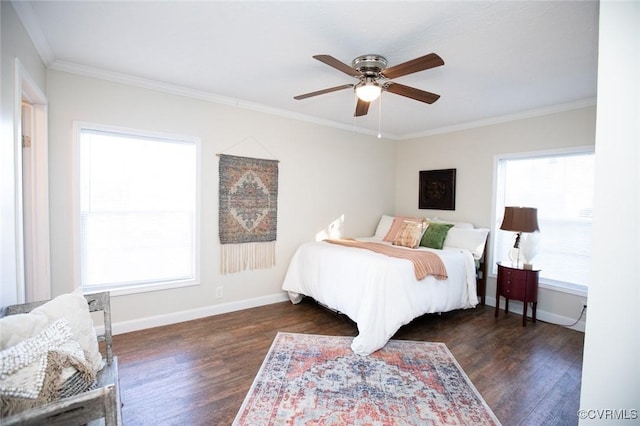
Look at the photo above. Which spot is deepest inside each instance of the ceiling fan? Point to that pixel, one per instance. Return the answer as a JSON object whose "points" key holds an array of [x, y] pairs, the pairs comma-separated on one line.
{"points": [[375, 77]]}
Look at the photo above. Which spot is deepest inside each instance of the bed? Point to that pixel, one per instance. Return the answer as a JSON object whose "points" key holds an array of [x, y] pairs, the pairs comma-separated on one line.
{"points": [[379, 292]]}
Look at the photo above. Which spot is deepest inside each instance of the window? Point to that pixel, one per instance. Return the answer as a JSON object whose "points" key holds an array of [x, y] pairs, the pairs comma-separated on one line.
{"points": [[137, 209], [560, 185]]}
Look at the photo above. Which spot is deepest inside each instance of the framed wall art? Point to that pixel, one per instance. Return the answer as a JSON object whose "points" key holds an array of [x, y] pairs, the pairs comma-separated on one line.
{"points": [[437, 189]]}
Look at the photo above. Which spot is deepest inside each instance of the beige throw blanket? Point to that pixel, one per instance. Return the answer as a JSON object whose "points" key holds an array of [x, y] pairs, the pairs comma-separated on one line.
{"points": [[424, 262]]}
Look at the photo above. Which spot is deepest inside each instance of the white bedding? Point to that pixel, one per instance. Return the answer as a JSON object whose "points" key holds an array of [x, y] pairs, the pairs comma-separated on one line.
{"points": [[378, 292]]}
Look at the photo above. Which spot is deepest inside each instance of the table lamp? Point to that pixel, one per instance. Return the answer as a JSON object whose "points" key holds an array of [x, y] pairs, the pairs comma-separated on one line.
{"points": [[519, 220]]}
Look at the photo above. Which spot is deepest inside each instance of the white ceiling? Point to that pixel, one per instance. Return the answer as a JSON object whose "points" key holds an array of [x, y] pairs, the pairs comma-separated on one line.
{"points": [[502, 58]]}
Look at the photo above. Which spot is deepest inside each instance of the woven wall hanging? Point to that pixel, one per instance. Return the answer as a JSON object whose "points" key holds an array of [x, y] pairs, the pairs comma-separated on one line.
{"points": [[248, 199]]}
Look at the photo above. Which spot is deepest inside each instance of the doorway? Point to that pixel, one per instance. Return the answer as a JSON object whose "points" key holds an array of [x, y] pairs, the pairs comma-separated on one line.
{"points": [[32, 183]]}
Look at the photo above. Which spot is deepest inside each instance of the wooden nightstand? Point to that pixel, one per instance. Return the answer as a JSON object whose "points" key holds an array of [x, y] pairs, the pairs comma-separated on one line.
{"points": [[517, 284]]}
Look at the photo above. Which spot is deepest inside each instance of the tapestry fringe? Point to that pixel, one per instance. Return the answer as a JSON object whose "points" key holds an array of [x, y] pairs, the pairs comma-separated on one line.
{"points": [[238, 257]]}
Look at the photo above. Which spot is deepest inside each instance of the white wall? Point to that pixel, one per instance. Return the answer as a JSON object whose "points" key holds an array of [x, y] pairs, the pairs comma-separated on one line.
{"points": [[472, 153], [611, 377], [324, 174], [16, 44]]}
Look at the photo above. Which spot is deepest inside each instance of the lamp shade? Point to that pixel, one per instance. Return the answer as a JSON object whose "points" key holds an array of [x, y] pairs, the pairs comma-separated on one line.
{"points": [[368, 92], [520, 219]]}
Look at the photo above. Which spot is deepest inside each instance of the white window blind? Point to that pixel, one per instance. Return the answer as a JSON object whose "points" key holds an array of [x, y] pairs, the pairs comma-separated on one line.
{"points": [[138, 218], [560, 185]]}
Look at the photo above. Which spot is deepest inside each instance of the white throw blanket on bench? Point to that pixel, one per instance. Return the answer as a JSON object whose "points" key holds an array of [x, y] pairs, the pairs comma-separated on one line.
{"points": [[39, 369]]}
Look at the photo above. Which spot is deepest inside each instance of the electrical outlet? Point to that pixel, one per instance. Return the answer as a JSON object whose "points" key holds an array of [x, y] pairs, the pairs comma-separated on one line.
{"points": [[219, 292]]}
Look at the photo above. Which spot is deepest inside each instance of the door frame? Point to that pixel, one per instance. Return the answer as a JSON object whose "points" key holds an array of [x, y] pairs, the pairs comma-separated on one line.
{"points": [[33, 257]]}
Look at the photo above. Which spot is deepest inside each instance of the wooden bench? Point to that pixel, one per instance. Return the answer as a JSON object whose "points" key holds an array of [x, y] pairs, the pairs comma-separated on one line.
{"points": [[99, 406]]}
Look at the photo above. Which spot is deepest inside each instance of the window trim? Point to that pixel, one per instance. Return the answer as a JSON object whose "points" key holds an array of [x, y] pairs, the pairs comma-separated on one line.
{"points": [[78, 126], [545, 283]]}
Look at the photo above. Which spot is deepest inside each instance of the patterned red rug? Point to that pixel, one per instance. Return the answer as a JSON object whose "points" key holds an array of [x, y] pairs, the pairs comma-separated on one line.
{"points": [[317, 380]]}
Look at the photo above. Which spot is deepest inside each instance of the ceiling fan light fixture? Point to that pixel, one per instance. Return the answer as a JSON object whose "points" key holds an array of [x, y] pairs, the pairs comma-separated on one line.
{"points": [[374, 78], [368, 91]]}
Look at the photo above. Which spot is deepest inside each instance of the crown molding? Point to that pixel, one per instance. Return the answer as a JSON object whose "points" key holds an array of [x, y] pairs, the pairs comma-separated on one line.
{"points": [[234, 102], [505, 118], [31, 25], [131, 80]]}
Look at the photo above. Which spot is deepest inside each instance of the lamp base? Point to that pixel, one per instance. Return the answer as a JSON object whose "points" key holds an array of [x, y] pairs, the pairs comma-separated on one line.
{"points": [[516, 258]]}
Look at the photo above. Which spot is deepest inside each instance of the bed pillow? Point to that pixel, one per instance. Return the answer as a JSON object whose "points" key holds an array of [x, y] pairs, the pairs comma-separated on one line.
{"points": [[435, 235], [473, 240], [384, 225], [460, 225], [410, 234], [397, 223]]}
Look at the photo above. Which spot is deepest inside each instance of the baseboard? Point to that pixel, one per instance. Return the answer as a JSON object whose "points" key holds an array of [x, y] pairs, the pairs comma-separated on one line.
{"points": [[516, 307], [223, 308], [191, 314]]}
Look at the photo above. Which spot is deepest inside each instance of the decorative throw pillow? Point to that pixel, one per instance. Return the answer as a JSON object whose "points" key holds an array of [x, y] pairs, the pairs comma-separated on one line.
{"points": [[435, 235], [397, 223], [71, 306], [31, 372], [410, 234]]}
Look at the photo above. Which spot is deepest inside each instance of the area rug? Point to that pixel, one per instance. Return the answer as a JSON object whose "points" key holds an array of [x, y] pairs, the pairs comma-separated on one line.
{"points": [[318, 380]]}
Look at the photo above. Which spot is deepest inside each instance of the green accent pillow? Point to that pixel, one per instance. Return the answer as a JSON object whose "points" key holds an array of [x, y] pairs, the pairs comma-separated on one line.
{"points": [[435, 235]]}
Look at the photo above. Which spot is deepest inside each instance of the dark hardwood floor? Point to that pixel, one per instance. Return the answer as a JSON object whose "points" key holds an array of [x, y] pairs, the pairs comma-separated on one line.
{"points": [[198, 372]]}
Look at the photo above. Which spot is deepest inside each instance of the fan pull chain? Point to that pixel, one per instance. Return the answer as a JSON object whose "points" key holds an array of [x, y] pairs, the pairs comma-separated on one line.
{"points": [[355, 104], [379, 116]]}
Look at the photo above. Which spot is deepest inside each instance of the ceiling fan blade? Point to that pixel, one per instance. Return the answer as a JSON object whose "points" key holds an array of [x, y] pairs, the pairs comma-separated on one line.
{"points": [[419, 64], [362, 108], [340, 66], [322, 92], [412, 92]]}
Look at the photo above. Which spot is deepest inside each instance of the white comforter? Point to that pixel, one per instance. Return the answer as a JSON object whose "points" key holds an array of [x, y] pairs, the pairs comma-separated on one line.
{"points": [[378, 292]]}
